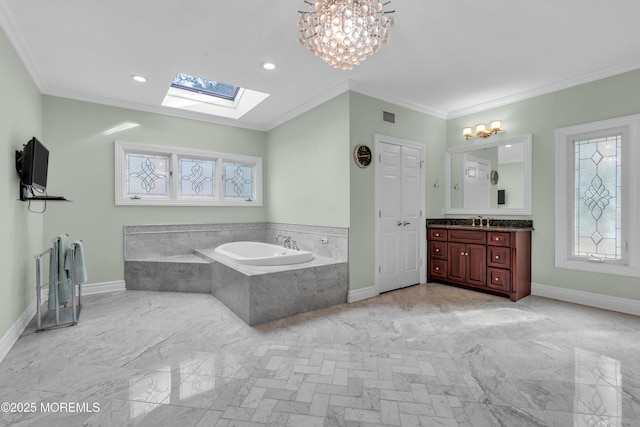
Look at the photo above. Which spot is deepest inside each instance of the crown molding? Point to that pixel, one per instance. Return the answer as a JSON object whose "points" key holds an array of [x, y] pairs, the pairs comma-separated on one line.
{"points": [[546, 89], [375, 93], [331, 93], [167, 111], [17, 41]]}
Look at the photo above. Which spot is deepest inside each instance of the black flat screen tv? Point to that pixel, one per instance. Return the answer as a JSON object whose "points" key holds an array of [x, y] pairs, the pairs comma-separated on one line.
{"points": [[35, 164]]}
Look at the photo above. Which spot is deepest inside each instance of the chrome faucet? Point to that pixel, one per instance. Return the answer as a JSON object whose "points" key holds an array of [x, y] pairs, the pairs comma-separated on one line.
{"points": [[288, 242]]}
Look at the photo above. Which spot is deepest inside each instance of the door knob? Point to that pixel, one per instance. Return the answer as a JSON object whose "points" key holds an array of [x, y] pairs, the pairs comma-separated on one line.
{"points": [[399, 223], [406, 223]]}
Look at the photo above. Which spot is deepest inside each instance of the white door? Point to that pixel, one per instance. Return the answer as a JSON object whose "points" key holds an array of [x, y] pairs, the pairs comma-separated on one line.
{"points": [[476, 189], [399, 203]]}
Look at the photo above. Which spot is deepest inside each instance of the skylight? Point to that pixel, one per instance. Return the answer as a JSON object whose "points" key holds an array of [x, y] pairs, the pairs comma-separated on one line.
{"points": [[201, 95], [200, 85]]}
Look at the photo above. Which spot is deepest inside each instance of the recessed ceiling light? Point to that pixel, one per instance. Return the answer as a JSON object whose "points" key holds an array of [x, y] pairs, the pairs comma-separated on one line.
{"points": [[138, 78], [269, 66]]}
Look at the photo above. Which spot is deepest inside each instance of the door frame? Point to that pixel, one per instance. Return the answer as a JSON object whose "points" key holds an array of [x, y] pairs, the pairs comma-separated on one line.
{"points": [[380, 139]]}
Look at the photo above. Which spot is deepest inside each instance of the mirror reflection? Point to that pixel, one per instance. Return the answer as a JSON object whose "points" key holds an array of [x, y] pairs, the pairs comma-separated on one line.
{"points": [[492, 177]]}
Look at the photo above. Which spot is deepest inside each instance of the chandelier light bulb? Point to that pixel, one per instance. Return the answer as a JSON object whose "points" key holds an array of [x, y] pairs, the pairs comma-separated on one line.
{"points": [[345, 32]]}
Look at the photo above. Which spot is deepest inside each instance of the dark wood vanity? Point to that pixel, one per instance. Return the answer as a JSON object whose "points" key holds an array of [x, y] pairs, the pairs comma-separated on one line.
{"points": [[495, 259]]}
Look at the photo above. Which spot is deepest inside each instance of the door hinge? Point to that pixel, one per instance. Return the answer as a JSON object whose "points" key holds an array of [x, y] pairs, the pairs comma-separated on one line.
{"points": [[420, 213], [421, 163], [379, 269], [420, 262], [379, 158], [379, 214], [626, 246]]}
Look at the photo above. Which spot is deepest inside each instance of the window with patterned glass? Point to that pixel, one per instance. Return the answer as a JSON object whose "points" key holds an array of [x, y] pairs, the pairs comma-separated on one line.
{"points": [[595, 198], [159, 175], [197, 177], [238, 181], [147, 175]]}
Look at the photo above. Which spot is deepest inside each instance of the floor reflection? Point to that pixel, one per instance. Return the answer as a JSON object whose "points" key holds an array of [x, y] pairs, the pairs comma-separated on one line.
{"points": [[172, 384], [598, 397]]}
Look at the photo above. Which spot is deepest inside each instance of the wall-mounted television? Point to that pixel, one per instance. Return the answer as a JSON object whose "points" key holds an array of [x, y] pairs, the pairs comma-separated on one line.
{"points": [[32, 165]]}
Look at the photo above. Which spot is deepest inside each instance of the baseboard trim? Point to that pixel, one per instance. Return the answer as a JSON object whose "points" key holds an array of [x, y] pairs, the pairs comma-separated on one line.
{"points": [[101, 288], [362, 294], [11, 336], [607, 302]]}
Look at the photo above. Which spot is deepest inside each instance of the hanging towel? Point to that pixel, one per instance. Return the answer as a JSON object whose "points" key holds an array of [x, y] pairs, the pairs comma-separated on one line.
{"points": [[80, 276], [64, 288]]}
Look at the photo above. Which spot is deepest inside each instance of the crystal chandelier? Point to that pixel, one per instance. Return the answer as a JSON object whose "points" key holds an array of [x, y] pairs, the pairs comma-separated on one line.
{"points": [[345, 32]]}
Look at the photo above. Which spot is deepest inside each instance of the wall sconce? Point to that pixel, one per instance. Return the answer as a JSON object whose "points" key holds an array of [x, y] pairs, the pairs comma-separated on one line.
{"points": [[482, 131]]}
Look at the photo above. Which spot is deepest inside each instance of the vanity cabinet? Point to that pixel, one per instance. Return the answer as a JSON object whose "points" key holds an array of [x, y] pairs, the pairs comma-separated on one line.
{"points": [[467, 264], [494, 261]]}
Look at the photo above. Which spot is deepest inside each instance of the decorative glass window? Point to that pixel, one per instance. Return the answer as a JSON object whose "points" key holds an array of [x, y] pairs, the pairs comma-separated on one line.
{"points": [[597, 197], [238, 181], [596, 200], [147, 175], [197, 177], [159, 175]]}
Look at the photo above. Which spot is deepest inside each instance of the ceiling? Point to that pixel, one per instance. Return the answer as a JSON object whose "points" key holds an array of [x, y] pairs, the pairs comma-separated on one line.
{"points": [[445, 57]]}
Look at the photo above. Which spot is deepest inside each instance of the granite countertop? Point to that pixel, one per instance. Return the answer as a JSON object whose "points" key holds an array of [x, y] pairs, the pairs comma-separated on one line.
{"points": [[506, 225], [479, 228]]}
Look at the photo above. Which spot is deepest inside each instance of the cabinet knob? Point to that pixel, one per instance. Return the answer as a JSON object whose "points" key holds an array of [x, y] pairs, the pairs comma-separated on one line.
{"points": [[497, 279], [497, 238], [462, 253], [497, 256], [437, 250], [466, 253], [437, 268], [437, 234]]}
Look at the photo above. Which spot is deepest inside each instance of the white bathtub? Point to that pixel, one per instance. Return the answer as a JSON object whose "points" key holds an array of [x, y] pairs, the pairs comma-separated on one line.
{"points": [[257, 253]]}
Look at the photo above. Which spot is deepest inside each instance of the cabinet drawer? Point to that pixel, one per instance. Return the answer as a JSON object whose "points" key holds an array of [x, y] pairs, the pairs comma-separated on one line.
{"points": [[499, 239], [437, 234], [499, 279], [438, 268], [498, 256], [438, 250], [467, 236]]}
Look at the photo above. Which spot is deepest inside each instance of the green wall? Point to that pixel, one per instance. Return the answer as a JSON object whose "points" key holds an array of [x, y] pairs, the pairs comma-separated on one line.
{"points": [[511, 179], [20, 230], [308, 174], [603, 99], [365, 121], [81, 168]]}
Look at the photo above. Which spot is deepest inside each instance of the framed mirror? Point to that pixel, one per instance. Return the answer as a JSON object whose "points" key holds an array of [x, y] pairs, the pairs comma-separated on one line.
{"points": [[491, 178]]}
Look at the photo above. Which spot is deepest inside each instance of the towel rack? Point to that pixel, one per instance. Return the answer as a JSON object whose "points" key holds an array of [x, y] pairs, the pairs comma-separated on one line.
{"points": [[76, 304]]}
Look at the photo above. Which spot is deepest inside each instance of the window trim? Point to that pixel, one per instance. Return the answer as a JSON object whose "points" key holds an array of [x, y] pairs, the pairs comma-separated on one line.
{"points": [[175, 153], [564, 208]]}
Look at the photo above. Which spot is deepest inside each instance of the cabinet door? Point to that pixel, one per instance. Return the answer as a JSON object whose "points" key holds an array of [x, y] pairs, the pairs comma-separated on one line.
{"points": [[457, 262], [476, 265]]}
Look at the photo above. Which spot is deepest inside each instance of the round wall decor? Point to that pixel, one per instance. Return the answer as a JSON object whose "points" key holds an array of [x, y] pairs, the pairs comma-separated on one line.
{"points": [[362, 155], [494, 177]]}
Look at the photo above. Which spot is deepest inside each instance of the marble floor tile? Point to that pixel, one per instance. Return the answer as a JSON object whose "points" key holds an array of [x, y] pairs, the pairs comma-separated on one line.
{"points": [[428, 355]]}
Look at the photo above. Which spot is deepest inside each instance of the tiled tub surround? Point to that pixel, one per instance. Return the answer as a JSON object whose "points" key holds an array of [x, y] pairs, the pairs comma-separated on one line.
{"points": [[259, 294], [181, 258]]}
